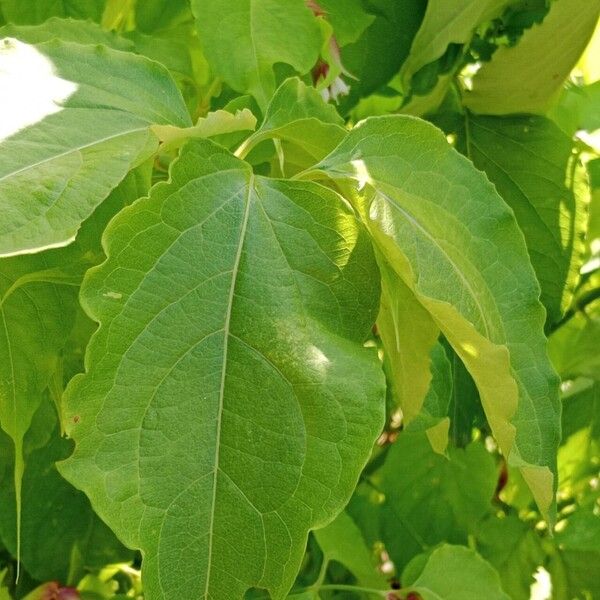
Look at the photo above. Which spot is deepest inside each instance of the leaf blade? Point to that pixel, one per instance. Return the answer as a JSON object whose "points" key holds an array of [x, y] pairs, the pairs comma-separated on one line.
{"points": [[276, 390], [403, 206]]}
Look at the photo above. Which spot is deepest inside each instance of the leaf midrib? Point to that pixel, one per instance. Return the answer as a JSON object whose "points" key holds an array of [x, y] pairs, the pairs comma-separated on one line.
{"points": [[73, 150], [226, 330]]}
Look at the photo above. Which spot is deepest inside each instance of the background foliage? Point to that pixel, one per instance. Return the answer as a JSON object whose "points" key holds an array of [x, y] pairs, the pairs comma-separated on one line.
{"points": [[299, 299]]}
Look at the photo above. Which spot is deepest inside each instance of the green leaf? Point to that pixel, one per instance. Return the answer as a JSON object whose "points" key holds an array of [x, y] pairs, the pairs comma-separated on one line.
{"points": [[34, 12], [229, 404], [379, 53], [425, 498], [62, 152], [38, 304], [530, 160], [448, 235], [243, 39], [578, 108], [446, 23], [526, 78], [153, 15], [4, 591], [349, 19], [456, 572], [465, 410], [433, 417], [573, 348], [343, 542], [58, 522], [408, 334], [574, 566], [67, 30], [34, 318], [514, 549], [298, 116], [580, 449]]}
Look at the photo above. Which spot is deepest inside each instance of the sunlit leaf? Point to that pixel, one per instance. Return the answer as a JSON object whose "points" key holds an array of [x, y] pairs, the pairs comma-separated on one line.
{"points": [[526, 78], [66, 146], [448, 235]]}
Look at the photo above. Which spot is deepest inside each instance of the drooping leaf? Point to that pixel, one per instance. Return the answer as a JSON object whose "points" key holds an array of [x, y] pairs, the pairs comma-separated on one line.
{"points": [[514, 549], [38, 304], [446, 23], [535, 171], [243, 39], [61, 535], [228, 404], [453, 241], [34, 318], [34, 12], [65, 148], [408, 334], [343, 542], [526, 78], [457, 572]]}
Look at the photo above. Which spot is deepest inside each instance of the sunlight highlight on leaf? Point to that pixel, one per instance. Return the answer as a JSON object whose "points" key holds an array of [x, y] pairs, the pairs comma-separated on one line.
{"points": [[31, 89]]}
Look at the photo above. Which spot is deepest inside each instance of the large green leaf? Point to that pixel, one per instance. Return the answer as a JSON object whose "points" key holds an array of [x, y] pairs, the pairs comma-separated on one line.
{"points": [[448, 235], [65, 146], [229, 404], [33, 12], [243, 39], [453, 572], [527, 77], [61, 535], [530, 160]]}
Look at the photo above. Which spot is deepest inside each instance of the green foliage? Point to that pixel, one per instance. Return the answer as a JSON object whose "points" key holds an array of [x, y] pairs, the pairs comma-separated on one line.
{"points": [[297, 298]]}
